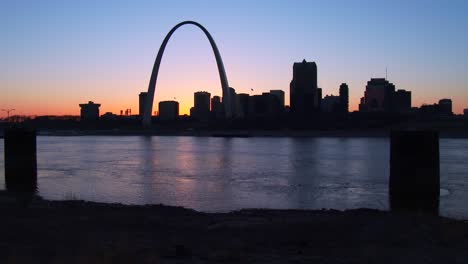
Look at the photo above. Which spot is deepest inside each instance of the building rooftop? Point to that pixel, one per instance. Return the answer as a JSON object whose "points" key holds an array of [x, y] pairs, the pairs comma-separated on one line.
{"points": [[90, 103]]}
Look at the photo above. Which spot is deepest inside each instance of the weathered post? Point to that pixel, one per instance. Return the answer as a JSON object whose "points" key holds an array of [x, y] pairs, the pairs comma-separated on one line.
{"points": [[20, 161], [414, 171]]}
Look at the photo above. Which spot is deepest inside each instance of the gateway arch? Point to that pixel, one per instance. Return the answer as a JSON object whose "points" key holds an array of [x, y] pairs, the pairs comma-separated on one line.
{"points": [[154, 74]]}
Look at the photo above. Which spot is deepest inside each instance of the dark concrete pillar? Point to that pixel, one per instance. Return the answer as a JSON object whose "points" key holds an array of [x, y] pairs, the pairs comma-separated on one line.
{"points": [[20, 160], [414, 171]]}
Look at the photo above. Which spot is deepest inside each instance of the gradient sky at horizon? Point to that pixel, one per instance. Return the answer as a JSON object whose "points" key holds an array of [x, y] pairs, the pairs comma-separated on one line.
{"points": [[57, 54]]}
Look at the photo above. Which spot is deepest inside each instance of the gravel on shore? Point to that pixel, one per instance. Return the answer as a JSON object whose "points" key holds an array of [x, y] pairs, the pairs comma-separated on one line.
{"points": [[85, 232]]}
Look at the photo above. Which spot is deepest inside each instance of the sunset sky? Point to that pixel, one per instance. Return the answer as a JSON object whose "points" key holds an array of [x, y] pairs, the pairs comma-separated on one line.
{"points": [[55, 55]]}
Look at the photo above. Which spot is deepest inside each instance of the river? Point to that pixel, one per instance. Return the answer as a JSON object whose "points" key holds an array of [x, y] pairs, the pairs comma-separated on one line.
{"points": [[222, 174]]}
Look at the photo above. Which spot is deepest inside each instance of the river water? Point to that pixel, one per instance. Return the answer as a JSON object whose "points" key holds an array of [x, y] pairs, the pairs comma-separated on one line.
{"points": [[222, 174]]}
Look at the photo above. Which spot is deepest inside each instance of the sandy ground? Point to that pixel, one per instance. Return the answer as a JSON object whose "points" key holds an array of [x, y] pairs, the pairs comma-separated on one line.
{"points": [[83, 232]]}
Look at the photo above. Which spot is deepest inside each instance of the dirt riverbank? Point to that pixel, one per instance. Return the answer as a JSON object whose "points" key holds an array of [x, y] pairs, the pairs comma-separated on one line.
{"points": [[83, 232]]}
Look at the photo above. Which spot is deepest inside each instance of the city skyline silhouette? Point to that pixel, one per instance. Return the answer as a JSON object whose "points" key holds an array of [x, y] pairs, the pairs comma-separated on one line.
{"points": [[261, 131], [109, 62]]}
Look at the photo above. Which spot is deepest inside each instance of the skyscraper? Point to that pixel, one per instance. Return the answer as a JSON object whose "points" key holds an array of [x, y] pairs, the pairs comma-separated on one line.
{"points": [[305, 95], [344, 98], [280, 95], [445, 106], [201, 107], [217, 111], [141, 103], [331, 104], [243, 105], [234, 102], [378, 96], [168, 110], [402, 101], [262, 106]]}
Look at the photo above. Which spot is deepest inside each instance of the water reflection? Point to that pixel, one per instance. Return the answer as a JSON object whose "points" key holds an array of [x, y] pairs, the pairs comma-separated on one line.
{"points": [[147, 157], [2, 165], [222, 174]]}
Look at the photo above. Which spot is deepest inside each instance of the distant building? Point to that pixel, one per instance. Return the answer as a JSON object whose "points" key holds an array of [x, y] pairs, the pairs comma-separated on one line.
{"points": [[344, 98], [273, 104], [305, 96], [330, 104], [429, 110], [243, 105], [280, 95], [336, 104], [168, 110], [465, 113], [378, 96], [256, 107], [445, 107], [89, 111], [265, 105], [109, 116], [141, 103], [234, 102], [201, 107], [217, 111], [442, 109], [402, 101]]}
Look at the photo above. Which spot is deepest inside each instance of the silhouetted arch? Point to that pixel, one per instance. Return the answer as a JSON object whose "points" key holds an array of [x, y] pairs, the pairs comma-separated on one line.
{"points": [[154, 75]]}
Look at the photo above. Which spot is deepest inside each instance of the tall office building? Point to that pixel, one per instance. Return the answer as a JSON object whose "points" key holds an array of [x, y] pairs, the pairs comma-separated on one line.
{"points": [[305, 96], [89, 111], [445, 106], [217, 111], [280, 95], [378, 96], [265, 105], [243, 105], [234, 101], [344, 98], [465, 113], [141, 103], [402, 101], [168, 110], [331, 104], [273, 104], [201, 107], [336, 104], [442, 109]]}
